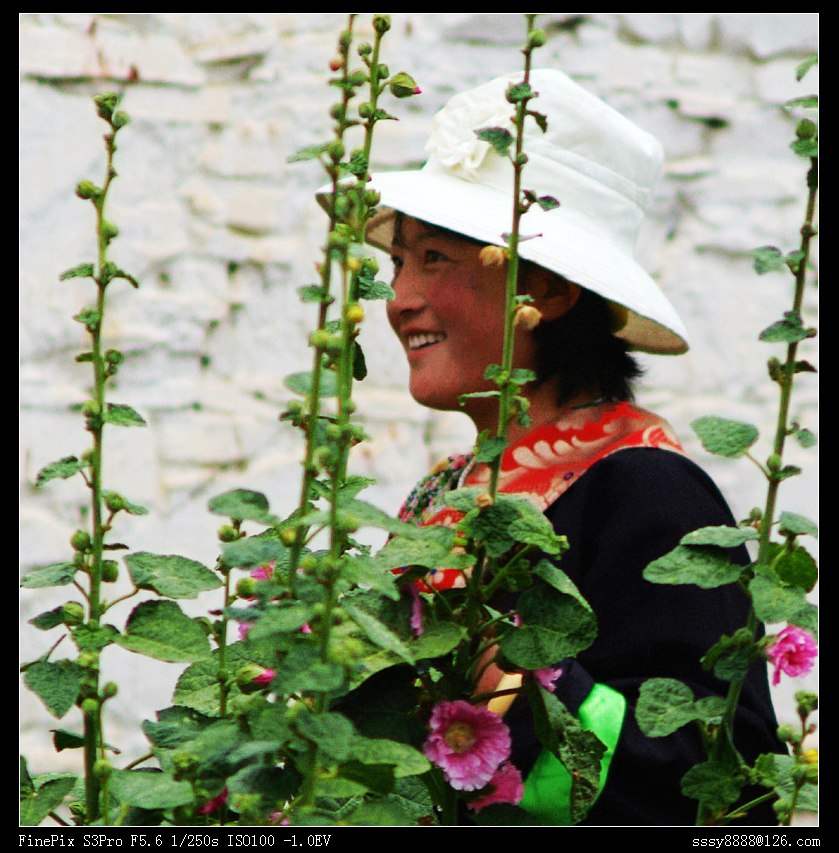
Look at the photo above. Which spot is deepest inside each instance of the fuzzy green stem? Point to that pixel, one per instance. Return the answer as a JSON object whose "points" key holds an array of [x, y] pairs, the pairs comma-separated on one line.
{"points": [[781, 432]]}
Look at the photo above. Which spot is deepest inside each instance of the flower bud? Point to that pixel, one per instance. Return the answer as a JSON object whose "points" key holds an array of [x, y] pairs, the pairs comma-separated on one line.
{"points": [[527, 317], [484, 500], [115, 502], [120, 119], [90, 707], [335, 63], [354, 314], [810, 756], [288, 536], [72, 613], [773, 463], [536, 38], [381, 23], [87, 189], [102, 768], [80, 540], [246, 587], [109, 690], [493, 256], [402, 85], [365, 49], [806, 129], [91, 409], [227, 533], [110, 571]]}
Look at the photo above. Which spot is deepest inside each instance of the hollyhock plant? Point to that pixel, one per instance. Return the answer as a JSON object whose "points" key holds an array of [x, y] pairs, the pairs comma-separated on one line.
{"points": [[469, 743], [215, 803], [792, 652], [505, 787]]}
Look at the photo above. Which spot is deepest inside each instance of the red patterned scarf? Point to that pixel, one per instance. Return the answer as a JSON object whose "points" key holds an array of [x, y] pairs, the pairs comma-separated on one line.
{"points": [[541, 466]]}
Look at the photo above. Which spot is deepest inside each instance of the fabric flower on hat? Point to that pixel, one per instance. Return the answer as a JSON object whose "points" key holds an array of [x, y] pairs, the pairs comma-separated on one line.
{"points": [[469, 743], [453, 142], [792, 652], [505, 787]]}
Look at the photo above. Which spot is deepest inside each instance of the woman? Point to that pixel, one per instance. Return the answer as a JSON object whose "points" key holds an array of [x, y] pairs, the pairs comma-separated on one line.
{"points": [[609, 476]]}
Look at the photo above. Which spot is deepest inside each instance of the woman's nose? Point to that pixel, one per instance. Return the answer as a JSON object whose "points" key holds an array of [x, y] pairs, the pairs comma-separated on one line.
{"points": [[409, 293]]}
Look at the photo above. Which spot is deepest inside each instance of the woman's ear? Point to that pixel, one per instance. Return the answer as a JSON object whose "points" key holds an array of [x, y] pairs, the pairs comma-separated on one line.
{"points": [[552, 294]]}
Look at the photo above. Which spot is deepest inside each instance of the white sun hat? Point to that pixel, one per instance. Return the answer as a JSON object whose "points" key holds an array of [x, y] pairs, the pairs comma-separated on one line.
{"points": [[599, 166]]}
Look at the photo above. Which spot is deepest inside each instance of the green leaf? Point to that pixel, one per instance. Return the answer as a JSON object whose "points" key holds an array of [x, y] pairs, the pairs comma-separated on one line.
{"points": [[253, 551], [706, 567], [46, 797], [94, 638], [710, 709], [172, 576], [80, 271], [774, 601], [161, 630], [768, 259], [301, 383], [805, 438], [49, 619], [284, 617], [242, 505], [359, 364], [664, 706], [272, 785], [554, 626], [370, 572], [57, 574], [63, 468], [793, 524], [56, 684], [378, 632], [725, 437], [579, 750], [149, 789], [790, 330], [310, 152], [498, 137], [408, 805], [369, 288], [722, 537], [66, 740], [806, 147], [333, 733], [556, 578], [730, 657], [313, 293], [805, 65], [174, 726], [716, 785], [487, 449], [405, 760], [795, 566], [121, 415], [433, 550]]}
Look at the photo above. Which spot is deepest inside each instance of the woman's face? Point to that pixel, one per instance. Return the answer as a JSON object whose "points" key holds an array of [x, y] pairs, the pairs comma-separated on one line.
{"points": [[449, 315]]}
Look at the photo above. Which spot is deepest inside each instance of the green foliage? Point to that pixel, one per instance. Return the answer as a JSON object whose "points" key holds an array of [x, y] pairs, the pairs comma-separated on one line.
{"points": [[725, 437], [56, 684], [172, 576], [161, 630], [705, 566]]}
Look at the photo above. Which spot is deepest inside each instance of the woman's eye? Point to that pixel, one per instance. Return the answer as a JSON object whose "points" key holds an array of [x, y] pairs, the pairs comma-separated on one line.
{"points": [[397, 263], [433, 257]]}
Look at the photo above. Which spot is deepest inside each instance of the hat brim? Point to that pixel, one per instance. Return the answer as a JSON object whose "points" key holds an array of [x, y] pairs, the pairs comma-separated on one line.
{"points": [[556, 239]]}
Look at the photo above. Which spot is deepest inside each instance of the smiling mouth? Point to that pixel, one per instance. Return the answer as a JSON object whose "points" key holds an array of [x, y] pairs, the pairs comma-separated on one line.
{"points": [[416, 342]]}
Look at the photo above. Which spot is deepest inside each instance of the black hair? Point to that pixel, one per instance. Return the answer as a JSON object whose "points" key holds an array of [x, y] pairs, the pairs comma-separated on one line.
{"points": [[581, 351]]}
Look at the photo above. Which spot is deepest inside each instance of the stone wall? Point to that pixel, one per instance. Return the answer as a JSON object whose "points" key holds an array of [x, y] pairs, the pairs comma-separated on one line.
{"points": [[221, 230]]}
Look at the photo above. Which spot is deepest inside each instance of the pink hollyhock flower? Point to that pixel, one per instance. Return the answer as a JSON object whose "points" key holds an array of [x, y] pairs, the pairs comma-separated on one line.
{"points": [[793, 652], [263, 573], [548, 677], [265, 677], [416, 611], [467, 742], [244, 627], [505, 787], [215, 803]]}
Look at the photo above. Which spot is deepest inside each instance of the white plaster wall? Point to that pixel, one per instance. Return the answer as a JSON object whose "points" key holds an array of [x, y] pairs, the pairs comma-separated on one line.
{"points": [[221, 230]]}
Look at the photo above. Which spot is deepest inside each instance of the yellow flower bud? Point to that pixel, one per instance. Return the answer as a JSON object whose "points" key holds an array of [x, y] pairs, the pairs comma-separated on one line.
{"points": [[810, 756], [354, 314], [493, 256], [527, 317], [484, 500]]}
